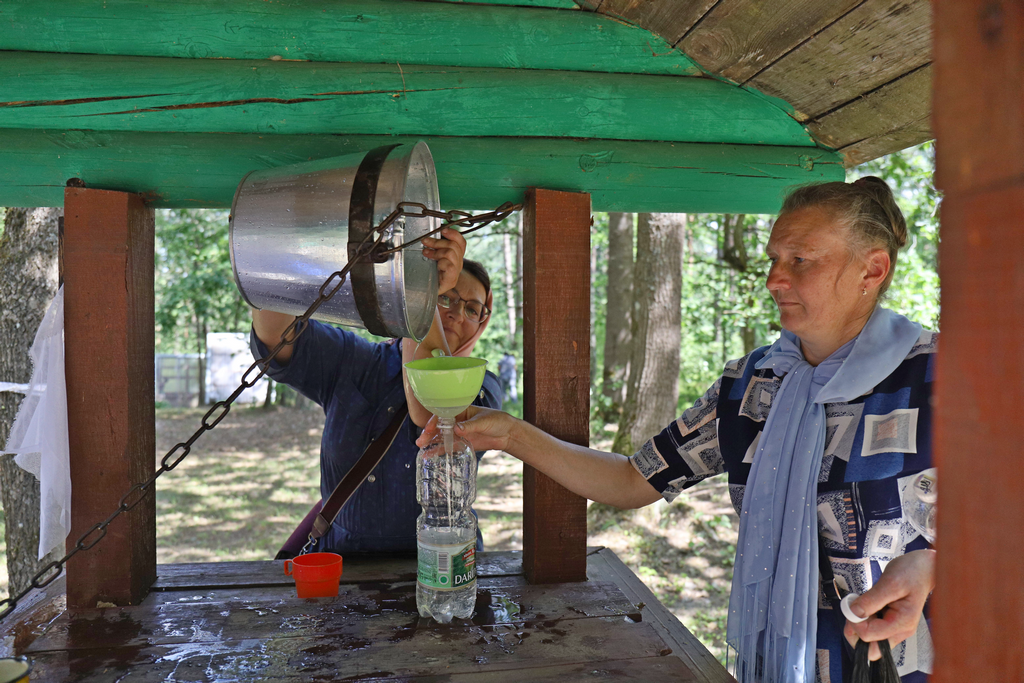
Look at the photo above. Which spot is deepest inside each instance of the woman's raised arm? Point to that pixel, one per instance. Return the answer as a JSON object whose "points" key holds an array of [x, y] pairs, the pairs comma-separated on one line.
{"points": [[596, 475], [269, 326]]}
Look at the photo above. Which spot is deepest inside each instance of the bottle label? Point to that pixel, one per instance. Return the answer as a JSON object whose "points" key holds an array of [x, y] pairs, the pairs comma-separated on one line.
{"points": [[447, 567]]}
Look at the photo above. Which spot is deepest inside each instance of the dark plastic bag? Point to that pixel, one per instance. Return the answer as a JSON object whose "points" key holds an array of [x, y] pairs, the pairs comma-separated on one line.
{"points": [[882, 671]]}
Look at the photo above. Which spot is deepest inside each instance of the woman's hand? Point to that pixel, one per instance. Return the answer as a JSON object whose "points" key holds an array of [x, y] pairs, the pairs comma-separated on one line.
{"points": [[448, 252], [483, 428], [903, 588]]}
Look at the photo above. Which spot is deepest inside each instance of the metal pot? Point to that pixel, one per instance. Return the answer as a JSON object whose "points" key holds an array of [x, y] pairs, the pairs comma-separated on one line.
{"points": [[291, 227]]}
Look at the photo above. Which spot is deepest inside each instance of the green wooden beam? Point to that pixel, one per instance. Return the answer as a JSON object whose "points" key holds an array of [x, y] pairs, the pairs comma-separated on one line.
{"points": [[202, 170], [370, 31], [553, 4], [42, 90]]}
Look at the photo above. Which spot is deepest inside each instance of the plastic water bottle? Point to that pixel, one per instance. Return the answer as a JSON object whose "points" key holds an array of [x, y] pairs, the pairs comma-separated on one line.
{"points": [[446, 529]]}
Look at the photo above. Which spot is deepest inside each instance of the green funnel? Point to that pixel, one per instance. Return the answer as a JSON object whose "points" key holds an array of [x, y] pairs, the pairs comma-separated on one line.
{"points": [[446, 385]]}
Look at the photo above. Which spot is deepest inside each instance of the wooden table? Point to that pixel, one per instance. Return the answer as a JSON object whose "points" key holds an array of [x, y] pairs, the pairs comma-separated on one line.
{"points": [[241, 621]]}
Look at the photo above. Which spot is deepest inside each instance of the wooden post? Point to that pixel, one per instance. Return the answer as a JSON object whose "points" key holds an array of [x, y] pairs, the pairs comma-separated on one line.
{"points": [[979, 123], [556, 350], [108, 333]]}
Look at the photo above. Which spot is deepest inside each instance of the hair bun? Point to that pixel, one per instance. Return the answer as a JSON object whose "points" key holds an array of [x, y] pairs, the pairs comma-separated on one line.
{"points": [[882, 194], [872, 182]]}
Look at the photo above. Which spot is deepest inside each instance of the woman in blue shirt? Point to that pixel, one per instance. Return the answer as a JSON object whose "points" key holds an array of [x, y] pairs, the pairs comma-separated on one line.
{"points": [[360, 384]]}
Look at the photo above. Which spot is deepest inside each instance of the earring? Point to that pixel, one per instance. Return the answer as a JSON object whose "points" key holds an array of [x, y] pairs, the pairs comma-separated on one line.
{"points": [[864, 292]]}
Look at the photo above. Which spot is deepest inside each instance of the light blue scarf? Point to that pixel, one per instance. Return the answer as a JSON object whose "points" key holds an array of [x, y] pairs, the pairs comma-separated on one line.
{"points": [[773, 608]]}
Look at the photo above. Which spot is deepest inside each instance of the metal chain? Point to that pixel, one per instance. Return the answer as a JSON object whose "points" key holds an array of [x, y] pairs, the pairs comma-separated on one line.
{"points": [[218, 411]]}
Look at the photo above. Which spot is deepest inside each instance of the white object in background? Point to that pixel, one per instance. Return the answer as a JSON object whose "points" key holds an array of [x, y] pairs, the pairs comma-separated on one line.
{"points": [[13, 387], [227, 358], [39, 437], [848, 611]]}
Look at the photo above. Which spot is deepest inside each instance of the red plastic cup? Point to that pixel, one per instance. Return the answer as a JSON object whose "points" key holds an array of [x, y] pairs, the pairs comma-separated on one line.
{"points": [[317, 575]]}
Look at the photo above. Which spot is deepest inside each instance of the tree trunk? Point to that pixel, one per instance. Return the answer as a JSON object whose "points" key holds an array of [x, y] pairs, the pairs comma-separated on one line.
{"points": [[618, 313], [28, 282], [510, 288], [749, 340], [653, 389], [200, 344], [268, 400]]}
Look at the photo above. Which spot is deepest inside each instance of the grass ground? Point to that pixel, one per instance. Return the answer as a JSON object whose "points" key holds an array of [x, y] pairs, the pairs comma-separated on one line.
{"points": [[248, 482]]}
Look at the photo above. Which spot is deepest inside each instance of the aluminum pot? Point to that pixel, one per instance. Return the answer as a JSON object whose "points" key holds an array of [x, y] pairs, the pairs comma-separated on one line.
{"points": [[291, 227]]}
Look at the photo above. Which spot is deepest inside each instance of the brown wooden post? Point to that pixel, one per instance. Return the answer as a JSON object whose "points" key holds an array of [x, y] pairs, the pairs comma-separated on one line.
{"points": [[108, 333], [979, 435], [556, 349]]}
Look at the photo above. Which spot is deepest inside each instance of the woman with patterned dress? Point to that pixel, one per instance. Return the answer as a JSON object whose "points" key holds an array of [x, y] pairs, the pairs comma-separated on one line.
{"points": [[820, 435]]}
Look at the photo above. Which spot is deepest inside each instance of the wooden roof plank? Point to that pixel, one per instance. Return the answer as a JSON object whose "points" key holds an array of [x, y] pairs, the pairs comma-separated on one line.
{"points": [[203, 170], [551, 4], [739, 38], [912, 133], [369, 31], [99, 92], [870, 46], [896, 112], [670, 20]]}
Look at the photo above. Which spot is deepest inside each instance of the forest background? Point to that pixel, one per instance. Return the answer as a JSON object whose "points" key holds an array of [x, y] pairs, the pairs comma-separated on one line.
{"points": [[674, 296]]}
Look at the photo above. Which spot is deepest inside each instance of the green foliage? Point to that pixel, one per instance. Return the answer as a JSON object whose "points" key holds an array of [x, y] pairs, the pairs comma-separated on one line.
{"points": [[915, 287], [195, 290], [723, 284], [487, 247], [720, 300]]}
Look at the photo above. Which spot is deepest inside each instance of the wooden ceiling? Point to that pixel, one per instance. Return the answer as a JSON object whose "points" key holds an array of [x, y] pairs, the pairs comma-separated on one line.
{"points": [[856, 73], [654, 105]]}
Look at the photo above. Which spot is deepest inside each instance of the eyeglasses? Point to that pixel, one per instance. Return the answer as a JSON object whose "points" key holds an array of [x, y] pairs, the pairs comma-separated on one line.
{"points": [[473, 310]]}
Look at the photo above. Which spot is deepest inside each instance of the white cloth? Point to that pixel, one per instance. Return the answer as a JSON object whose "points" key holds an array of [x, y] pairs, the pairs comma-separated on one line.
{"points": [[39, 437]]}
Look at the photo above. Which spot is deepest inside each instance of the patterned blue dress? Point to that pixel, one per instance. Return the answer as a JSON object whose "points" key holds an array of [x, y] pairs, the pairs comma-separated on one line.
{"points": [[874, 446]]}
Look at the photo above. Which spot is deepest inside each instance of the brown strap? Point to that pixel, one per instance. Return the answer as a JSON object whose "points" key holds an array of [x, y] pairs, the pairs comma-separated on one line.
{"points": [[352, 480], [833, 591]]}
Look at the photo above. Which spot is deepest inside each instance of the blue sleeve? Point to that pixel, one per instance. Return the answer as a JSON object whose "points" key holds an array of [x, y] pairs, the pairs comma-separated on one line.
{"points": [[686, 451], [491, 395], [323, 356]]}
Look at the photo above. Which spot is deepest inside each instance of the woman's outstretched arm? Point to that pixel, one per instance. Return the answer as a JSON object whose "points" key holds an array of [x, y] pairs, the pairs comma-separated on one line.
{"points": [[596, 475]]}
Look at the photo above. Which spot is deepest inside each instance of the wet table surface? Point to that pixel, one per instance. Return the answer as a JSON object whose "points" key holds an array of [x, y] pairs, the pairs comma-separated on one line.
{"points": [[241, 621]]}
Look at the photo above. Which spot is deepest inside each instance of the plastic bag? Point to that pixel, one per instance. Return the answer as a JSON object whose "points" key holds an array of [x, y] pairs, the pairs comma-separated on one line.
{"points": [[39, 437], [881, 671]]}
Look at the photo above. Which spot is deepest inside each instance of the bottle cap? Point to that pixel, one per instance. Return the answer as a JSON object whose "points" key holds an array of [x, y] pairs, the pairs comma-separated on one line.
{"points": [[847, 612]]}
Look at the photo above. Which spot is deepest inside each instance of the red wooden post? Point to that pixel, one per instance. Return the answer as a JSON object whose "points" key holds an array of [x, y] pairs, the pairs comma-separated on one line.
{"points": [[556, 346], [979, 124], [108, 322]]}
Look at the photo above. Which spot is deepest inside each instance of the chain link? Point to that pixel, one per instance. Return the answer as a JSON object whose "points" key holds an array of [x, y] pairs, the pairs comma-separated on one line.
{"points": [[368, 249]]}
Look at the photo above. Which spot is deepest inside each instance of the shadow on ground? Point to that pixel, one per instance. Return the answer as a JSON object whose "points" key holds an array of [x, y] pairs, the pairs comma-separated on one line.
{"points": [[683, 551], [244, 487]]}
